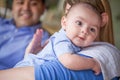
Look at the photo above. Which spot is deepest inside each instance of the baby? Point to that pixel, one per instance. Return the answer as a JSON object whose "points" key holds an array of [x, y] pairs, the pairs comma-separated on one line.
{"points": [[78, 31]]}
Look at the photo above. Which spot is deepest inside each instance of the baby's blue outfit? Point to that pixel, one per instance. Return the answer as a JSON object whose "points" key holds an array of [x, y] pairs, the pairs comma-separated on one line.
{"points": [[47, 65], [58, 45], [13, 41]]}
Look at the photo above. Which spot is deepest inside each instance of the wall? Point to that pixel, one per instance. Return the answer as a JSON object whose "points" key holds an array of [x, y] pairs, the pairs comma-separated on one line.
{"points": [[115, 5]]}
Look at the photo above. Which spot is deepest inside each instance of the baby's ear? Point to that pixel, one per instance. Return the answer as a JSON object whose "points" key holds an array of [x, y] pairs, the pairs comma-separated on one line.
{"points": [[63, 22], [104, 19]]}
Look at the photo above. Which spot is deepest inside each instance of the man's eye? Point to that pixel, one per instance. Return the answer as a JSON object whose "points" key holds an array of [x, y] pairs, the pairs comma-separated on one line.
{"points": [[34, 3], [20, 2]]}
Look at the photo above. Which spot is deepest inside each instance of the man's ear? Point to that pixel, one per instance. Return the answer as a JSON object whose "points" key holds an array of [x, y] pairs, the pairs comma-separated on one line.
{"points": [[104, 19], [63, 22]]}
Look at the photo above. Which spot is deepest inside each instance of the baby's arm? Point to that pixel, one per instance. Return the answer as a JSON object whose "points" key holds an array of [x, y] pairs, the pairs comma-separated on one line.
{"points": [[77, 62]]}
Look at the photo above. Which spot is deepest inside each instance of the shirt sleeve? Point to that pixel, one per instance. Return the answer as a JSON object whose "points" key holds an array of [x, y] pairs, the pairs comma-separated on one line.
{"points": [[65, 47], [54, 70]]}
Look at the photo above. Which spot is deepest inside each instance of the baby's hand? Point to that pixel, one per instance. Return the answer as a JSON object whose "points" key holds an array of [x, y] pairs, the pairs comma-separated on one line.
{"points": [[35, 45], [96, 68]]}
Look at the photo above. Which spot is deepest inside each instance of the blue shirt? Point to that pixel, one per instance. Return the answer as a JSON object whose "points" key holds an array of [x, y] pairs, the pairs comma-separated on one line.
{"points": [[58, 44], [13, 41]]}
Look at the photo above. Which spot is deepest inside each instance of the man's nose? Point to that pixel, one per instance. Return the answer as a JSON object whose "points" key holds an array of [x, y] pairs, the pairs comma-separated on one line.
{"points": [[26, 6]]}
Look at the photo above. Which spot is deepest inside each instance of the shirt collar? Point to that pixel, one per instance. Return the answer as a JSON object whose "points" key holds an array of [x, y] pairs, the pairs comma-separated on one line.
{"points": [[28, 28]]}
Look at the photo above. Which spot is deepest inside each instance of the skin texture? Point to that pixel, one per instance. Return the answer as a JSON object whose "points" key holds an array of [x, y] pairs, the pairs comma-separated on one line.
{"points": [[27, 12], [23, 73]]}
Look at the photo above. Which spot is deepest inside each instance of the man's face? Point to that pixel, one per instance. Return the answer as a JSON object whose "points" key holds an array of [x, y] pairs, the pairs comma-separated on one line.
{"points": [[27, 12]]}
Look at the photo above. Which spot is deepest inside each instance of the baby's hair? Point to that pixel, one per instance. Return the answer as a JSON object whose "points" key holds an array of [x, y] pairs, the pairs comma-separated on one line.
{"points": [[96, 3], [87, 5]]}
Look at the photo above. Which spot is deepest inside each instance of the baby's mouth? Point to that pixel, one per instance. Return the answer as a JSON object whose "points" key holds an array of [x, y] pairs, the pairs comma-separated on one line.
{"points": [[81, 38]]}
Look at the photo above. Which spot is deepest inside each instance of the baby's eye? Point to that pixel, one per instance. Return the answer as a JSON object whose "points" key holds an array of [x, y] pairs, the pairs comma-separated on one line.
{"points": [[92, 29], [79, 23]]}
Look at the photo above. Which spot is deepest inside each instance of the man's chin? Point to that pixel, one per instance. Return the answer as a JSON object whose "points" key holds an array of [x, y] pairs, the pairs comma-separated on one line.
{"points": [[25, 24]]}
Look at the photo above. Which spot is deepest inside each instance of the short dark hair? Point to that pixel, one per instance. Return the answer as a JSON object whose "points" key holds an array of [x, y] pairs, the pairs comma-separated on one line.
{"points": [[43, 1]]}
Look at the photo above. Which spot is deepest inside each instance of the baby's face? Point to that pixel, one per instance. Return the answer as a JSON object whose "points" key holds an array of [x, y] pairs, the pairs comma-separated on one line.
{"points": [[81, 25]]}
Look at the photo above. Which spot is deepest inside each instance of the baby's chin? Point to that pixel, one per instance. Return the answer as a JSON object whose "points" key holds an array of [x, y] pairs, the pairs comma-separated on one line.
{"points": [[83, 45]]}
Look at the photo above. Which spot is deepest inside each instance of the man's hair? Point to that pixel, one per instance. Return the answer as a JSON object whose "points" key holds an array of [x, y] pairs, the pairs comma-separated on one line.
{"points": [[43, 1]]}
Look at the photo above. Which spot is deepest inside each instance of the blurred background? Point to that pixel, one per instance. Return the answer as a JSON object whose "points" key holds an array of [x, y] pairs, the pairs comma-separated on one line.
{"points": [[53, 13]]}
